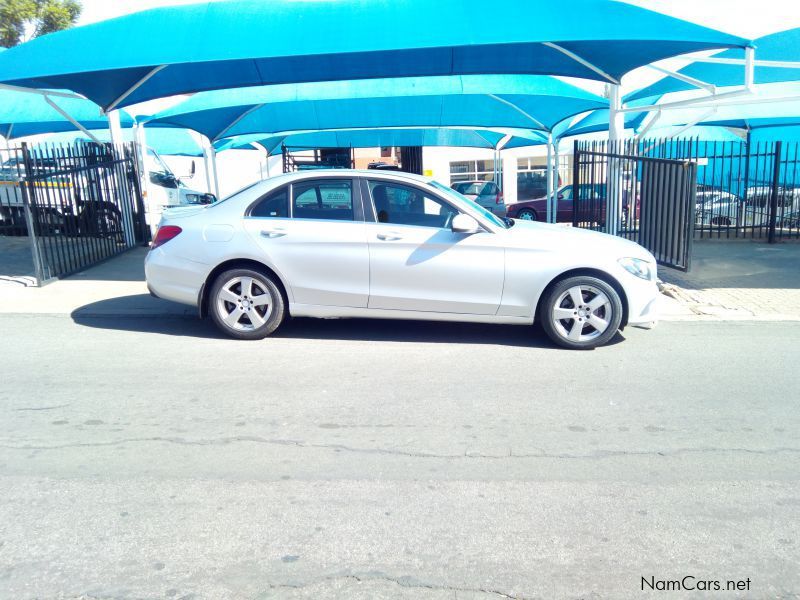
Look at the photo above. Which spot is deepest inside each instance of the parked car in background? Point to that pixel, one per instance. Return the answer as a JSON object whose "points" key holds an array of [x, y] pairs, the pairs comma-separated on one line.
{"points": [[393, 246], [536, 209], [717, 208], [485, 193]]}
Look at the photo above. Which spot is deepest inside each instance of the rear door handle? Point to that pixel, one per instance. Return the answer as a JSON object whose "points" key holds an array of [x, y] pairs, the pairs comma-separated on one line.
{"points": [[390, 237], [273, 233]]}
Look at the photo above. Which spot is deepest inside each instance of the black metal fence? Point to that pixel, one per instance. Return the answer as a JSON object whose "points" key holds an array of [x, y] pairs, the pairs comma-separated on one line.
{"points": [[645, 199], [744, 190], [79, 204]]}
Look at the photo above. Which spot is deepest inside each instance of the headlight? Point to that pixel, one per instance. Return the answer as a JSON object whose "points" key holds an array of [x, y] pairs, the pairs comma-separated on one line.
{"points": [[638, 267]]}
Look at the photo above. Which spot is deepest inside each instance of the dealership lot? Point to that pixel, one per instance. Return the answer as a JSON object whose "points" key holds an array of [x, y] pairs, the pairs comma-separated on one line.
{"points": [[384, 459]]}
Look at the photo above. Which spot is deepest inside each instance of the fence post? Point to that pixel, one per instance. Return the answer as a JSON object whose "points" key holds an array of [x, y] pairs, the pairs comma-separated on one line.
{"points": [[773, 199], [26, 189]]}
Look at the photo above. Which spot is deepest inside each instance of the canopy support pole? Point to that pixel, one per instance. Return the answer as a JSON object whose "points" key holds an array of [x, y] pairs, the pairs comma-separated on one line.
{"points": [[207, 163], [53, 93], [133, 88], [710, 88], [69, 118], [653, 120], [550, 216], [616, 131], [115, 128], [556, 165], [237, 120], [519, 110], [583, 62], [212, 175]]}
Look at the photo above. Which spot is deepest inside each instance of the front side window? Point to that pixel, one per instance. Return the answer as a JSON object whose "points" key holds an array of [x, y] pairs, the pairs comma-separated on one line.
{"points": [[324, 199], [399, 204], [273, 205]]}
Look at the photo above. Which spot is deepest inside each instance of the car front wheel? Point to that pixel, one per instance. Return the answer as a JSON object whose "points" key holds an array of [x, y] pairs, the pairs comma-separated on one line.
{"points": [[246, 304], [527, 215], [581, 313]]}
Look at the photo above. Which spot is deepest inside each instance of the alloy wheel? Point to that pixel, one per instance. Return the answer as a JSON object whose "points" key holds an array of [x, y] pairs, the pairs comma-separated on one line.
{"points": [[582, 313], [244, 304]]}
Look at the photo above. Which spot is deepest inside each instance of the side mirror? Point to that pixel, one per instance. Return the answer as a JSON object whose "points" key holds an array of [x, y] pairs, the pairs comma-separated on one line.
{"points": [[561, 196], [465, 224]]}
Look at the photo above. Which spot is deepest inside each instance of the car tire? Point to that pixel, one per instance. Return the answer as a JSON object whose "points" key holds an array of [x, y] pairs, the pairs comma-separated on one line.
{"points": [[590, 311], [527, 214], [246, 304]]}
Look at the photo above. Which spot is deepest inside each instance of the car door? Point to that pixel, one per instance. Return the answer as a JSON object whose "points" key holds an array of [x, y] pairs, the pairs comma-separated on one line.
{"points": [[313, 232], [418, 263], [564, 204]]}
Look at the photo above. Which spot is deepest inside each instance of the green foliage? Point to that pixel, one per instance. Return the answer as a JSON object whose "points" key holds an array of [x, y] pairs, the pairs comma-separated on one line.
{"points": [[21, 20]]}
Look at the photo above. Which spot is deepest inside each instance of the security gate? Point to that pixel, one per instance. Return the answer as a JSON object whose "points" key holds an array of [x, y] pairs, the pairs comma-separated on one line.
{"points": [[648, 200], [78, 204]]}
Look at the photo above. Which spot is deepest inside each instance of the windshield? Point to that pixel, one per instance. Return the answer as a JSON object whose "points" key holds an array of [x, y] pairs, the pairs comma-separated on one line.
{"points": [[473, 188], [489, 216]]}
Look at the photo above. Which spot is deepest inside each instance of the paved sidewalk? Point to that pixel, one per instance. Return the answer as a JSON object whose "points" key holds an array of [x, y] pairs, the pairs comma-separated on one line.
{"points": [[729, 281], [113, 288], [738, 281]]}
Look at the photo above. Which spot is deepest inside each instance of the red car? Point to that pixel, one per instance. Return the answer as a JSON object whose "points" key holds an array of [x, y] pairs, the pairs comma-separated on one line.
{"points": [[536, 209]]}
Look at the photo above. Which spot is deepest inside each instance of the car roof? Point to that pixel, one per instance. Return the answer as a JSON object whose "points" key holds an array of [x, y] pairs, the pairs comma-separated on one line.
{"points": [[371, 173]]}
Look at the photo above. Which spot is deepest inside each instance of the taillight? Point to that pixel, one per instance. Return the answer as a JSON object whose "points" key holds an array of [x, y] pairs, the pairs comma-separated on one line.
{"points": [[499, 198], [165, 234]]}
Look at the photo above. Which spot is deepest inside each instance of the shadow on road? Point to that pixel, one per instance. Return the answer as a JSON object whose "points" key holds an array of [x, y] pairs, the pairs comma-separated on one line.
{"points": [[145, 314]]}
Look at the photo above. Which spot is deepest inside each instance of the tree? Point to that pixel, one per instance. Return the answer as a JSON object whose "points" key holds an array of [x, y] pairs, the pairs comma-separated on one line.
{"points": [[22, 20]]}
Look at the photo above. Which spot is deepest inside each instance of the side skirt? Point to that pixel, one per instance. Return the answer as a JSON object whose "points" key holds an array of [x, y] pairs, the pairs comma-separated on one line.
{"points": [[345, 312]]}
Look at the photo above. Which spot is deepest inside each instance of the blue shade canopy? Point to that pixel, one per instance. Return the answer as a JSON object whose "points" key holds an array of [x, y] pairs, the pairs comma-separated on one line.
{"points": [[373, 138], [491, 102], [760, 112], [236, 43], [23, 114], [167, 142], [782, 46]]}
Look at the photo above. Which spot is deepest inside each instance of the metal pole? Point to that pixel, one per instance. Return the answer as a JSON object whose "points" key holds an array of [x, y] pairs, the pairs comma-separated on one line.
{"points": [[556, 177], [207, 163], [213, 153], [550, 215], [117, 151], [27, 191], [616, 131]]}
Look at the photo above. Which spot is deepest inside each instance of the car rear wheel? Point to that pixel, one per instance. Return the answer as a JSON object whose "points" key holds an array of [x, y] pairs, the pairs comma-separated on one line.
{"points": [[246, 304], [527, 215], [581, 313]]}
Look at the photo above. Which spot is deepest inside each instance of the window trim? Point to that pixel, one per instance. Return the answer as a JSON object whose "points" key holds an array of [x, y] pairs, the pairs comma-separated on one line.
{"points": [[355, 192], [249, 212]]}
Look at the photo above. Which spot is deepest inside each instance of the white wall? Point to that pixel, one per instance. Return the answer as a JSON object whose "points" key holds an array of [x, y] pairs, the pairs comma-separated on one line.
{"points": [[436, 163]]}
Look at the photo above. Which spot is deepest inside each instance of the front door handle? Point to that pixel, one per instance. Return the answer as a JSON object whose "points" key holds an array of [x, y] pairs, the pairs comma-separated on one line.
{"points": [[273, 233], [390, 237]]}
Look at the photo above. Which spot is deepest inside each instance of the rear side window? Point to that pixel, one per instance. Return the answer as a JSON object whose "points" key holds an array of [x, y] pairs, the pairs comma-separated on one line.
{"points": [[324, 199], [274, 205]]}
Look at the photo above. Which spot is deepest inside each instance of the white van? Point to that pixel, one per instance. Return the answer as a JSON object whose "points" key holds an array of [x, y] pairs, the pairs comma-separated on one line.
{"points": [[163, 189]]}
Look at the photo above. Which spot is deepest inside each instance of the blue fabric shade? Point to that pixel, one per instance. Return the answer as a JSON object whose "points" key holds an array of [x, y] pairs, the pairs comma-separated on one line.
{"points": [[487, 102], [23, 114], [218, 45], [782, 46], [167, 142], [373, 138]]}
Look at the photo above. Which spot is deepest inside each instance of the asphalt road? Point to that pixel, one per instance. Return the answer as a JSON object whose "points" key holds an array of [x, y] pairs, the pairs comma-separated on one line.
{"points": [[149, 458]]}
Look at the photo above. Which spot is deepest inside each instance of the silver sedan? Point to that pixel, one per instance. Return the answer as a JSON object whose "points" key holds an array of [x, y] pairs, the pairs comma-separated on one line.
{"points": [[337, 244]]}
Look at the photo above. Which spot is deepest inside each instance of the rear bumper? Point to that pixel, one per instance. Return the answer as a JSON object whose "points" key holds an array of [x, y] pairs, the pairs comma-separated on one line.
{"points": [[173, 278]]}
